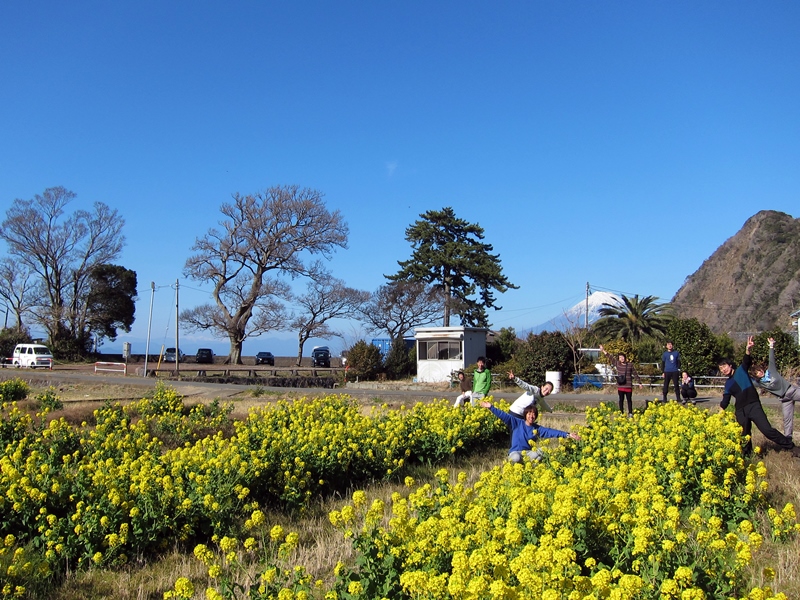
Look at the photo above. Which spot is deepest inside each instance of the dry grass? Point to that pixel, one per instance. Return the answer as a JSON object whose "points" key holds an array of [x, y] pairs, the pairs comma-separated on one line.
{"points": [[145, 581], [784, 486]]}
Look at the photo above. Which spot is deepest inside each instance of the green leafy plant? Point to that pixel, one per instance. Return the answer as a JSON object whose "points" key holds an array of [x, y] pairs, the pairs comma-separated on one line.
{"points": [[363, 361], [49, 400], [12, 390], [697, 345]]}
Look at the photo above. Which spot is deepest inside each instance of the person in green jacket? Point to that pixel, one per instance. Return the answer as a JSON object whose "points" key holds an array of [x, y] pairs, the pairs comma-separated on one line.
{"points": [[481, 381]]}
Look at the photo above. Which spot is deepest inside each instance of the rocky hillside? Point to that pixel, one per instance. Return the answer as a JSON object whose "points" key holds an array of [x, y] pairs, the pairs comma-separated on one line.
{"points": [[751, 282]]}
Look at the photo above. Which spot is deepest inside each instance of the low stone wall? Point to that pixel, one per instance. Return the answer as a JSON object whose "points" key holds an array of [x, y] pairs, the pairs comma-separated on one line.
{"points": [[290, 382], [379, 385]]}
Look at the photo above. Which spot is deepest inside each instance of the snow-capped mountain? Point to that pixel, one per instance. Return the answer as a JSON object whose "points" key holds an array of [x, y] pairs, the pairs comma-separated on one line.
{"points": [[576, 316]]}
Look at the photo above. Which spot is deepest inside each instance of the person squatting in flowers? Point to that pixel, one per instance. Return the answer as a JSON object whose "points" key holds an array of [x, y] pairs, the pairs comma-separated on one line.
{"points": [[748, 403], [688, 391], [466, 390], [524, 431], [533, 395]]}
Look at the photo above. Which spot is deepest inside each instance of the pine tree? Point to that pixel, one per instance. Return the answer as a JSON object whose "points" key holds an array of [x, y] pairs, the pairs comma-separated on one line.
{"points": [[450, 254]]}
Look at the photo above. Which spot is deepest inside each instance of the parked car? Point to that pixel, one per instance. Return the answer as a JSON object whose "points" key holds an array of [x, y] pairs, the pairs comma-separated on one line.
{"points": [[169, 355], [32, 355], [321, 356], [265, 358], [204, 355]]}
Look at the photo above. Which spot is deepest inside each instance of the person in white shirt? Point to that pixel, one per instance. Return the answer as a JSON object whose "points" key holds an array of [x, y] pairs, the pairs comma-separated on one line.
{"points": [[533, 395]]}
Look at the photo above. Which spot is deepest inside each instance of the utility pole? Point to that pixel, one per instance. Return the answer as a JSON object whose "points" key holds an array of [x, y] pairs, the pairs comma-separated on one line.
{"points": [[177, 347], [149, 323], [586, 317]]}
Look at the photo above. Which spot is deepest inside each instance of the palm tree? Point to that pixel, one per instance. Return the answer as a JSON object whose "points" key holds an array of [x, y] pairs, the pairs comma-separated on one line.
{"points": [[633, 319]]}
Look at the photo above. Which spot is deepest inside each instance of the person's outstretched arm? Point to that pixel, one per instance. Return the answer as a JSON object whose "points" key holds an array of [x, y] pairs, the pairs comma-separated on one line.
{"points": [[500, 414], [773, 368]]}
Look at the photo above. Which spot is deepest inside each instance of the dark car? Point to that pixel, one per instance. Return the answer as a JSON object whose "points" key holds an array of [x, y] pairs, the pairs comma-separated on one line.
{"points": [[321, 357], [204, 355], [265, 358]]}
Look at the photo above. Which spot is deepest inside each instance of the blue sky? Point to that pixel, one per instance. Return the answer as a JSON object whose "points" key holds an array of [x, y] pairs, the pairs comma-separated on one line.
{"points": [[615, 143]]}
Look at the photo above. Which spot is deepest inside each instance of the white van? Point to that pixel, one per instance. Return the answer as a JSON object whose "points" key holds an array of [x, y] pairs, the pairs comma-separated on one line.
{"points": [[32, 355]]}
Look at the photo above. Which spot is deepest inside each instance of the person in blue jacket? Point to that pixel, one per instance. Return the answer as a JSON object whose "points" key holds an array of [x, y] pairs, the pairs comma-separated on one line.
{"points": [[748, 403], [524, 431], [671, 361]]}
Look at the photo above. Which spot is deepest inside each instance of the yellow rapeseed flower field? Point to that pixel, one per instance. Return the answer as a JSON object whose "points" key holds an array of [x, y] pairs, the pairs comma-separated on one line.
{"points": [[658, 506]]}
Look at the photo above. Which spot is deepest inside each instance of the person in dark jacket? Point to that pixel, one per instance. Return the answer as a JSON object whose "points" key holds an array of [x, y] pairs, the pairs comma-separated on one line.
{"points": [[465, 385], [671, 359], [688, 391], [748, 403], [625, 374]]}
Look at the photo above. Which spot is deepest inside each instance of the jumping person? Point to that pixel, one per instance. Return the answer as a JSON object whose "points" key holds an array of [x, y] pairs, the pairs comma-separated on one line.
{"points": [[525, 430], [533, 395], [748, 404]]}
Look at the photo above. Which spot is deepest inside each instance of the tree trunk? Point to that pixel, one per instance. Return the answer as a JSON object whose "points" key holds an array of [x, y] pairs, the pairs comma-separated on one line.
{"points": [[300, 343], [446, 322], [236, 352]]}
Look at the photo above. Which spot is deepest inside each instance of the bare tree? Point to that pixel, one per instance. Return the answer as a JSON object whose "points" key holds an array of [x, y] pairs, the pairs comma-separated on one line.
{"points": [[263, 236], [17, 288], [574, 335], [269, 313], [398, 307], [61, 250], [327, 298]]}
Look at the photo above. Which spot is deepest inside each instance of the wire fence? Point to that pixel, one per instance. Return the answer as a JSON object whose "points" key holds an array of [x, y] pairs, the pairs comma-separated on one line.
{"points": [[651, 382]]}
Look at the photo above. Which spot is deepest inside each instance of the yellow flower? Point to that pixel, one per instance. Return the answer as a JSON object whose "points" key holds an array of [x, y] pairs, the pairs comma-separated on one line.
{"points": [[227, 544], [355, 588]]}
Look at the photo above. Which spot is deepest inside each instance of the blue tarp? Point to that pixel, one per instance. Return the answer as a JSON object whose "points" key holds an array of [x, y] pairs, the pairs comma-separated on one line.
{"points": [[581, 380]]}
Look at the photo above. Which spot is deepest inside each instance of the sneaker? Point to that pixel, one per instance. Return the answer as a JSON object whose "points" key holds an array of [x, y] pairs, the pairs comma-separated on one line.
{"points": [[630, 415]]}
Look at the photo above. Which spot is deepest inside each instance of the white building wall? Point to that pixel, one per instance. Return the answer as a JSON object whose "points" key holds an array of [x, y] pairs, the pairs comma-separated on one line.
{"points": [[435, 371], [473, 345]]}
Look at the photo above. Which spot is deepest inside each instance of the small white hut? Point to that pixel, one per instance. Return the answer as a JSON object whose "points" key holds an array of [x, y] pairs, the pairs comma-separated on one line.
{"points": [[442, 350]]}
